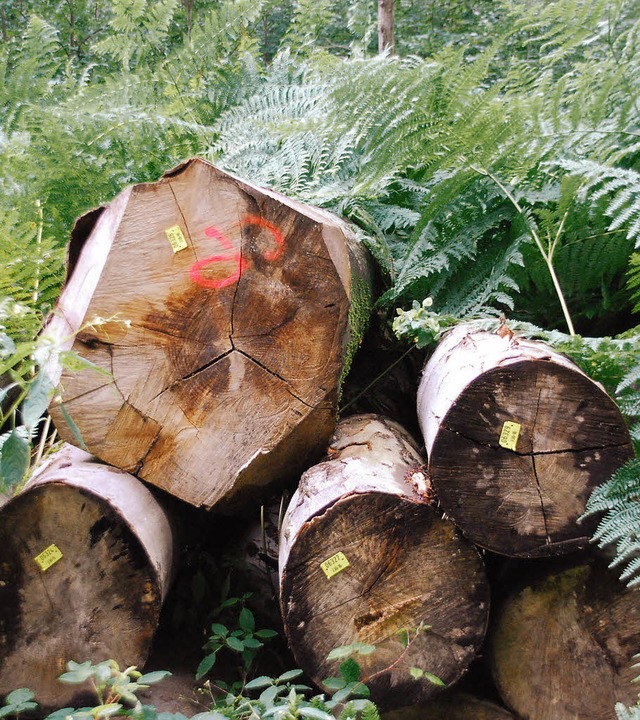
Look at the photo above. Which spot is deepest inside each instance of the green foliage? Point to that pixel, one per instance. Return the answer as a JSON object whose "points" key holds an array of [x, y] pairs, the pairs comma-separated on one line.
{"points": [[633, 283], [240, 638], [619, 500], [18, 701], [244, 639], [627, 713], [113, 687]]}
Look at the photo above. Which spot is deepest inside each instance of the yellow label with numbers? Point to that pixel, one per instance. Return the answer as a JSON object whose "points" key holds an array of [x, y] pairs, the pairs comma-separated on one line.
{"points": [[335, 564], [509, 435], [48, 557], [176, 238]]}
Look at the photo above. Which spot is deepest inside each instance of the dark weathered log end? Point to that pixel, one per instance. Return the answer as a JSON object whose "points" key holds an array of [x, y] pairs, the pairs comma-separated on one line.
{"points": [[517, 437], [365, 559]]}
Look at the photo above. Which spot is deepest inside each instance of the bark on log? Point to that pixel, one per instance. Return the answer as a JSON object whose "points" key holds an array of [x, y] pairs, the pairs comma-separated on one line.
{"points": [[562, 647], [85, 562], [364, 557], [452, 706], [231, 313], [517, 438]]}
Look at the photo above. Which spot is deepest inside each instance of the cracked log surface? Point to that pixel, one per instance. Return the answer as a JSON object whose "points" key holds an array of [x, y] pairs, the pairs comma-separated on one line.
{"points": [[86, 555], [562, 647], [406, 566], [517, 489], [227, 313]]}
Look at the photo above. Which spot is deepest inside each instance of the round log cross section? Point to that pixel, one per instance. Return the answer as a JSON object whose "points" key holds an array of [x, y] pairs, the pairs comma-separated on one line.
{"points": [[563, 646], [364, 559], [85, 560], [517, 438], [218, 317]]}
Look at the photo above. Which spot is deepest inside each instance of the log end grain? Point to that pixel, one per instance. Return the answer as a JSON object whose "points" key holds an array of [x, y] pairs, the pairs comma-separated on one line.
{"points": [[78, 581], [364, 559], [516, 453], [220, 317], [562, 645], [452, 706]]}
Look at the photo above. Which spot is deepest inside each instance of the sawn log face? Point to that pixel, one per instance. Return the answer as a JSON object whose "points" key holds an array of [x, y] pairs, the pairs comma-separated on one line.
{"points": [[562, 647], [85, 562], [223, 325], [401, 567], [522, 498]]}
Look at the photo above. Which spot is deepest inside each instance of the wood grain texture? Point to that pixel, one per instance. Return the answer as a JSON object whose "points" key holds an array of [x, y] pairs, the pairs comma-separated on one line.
{"points": [[101, 599], [562, 645], [407, 566], [526, 501], [453, 705], [225, 355]]}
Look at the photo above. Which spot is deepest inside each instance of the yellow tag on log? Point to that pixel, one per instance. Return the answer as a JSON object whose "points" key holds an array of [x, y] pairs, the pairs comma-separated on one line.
{"points": [[176, 238], [509, 435], [335, 564], [48, 557]]}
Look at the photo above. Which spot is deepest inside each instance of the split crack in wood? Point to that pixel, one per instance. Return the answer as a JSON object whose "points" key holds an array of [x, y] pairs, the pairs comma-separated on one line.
{"points": [[561, 451], [535, 474]]}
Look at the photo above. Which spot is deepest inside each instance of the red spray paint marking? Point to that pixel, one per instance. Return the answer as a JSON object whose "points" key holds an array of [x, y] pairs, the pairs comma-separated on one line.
{"points": [[269, 255], [195, 272]]}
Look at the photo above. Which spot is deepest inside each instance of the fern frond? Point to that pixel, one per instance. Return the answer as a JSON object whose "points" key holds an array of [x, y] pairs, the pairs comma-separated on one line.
{"points": [[633, 280], [620, 185], [619, 498]]}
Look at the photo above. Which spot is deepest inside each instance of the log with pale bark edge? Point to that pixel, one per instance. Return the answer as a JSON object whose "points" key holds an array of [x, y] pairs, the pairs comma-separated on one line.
{"points": [[226, 348], [86, 557], [522, 502], [562, 646], [452, 705], [406, 566]]}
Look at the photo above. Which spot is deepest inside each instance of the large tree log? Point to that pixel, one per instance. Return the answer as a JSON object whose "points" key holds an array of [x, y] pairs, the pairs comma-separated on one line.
{"points": [[85, 561], [364, 557], [517, 438], [228, 316], [452, 706], [562, 647]]}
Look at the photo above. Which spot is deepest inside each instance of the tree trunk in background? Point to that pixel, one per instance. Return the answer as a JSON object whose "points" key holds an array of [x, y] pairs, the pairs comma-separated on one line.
{"points": [[228, 316], [386, 41], [517, 438], [364, 557], [562, 647], [86, 556]]}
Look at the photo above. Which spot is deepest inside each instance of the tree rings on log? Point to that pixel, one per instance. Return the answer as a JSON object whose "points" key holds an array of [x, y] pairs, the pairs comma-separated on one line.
{"points": [[85, 561], [221, 317], [363, 558], [562, 647], [517, 438]]}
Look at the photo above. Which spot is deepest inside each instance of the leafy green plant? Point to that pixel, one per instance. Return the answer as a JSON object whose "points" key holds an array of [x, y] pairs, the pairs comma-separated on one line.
{"points": [[351, 681], [244, 640], [239, 635], [115, 689], [17, 702], [285, 699]]}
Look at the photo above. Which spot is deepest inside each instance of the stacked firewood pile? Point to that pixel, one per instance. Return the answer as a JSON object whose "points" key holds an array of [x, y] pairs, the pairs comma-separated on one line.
{"points": [[217, 321]]}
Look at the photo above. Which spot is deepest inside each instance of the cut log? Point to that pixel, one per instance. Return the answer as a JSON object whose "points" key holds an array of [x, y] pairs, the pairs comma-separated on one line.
{"points": [[452, 706], [226, 316], [562, 647], [363, 558], [517, 438], [85, 562]]}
